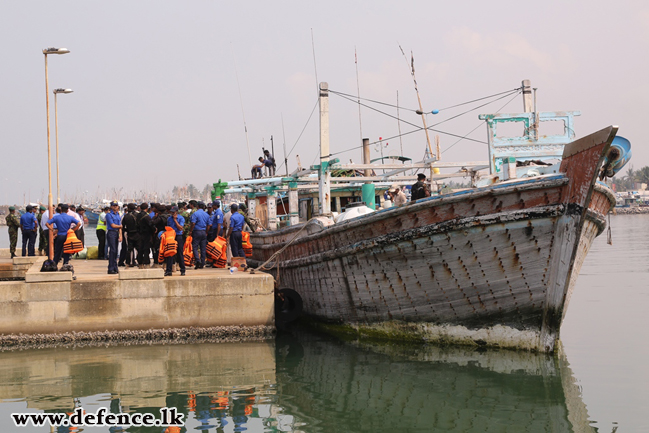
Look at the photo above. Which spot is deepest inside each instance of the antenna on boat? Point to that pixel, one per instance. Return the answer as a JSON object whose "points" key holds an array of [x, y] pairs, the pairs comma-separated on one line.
{"points": [[284, 136], [245, 127], [411, 65], [358, 92]]}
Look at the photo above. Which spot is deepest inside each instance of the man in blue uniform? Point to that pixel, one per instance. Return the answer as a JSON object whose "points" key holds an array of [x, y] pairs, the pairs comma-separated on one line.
{"points": [[177, 222], [200, 220], [29, 227], [113, 235], [216, 222], [63, 223], [234, 232]]}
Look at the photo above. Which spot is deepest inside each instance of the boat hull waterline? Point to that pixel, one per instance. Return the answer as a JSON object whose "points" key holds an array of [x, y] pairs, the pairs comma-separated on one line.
{"points": [[490, 266]]}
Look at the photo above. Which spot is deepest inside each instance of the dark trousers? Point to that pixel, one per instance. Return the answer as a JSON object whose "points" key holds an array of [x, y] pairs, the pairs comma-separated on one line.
{"points": [[179, 258], [101, 236], [155, 248], [133, 241], [112, 238], [236, 244], [143, 251], [58, 249], [45, 238], [29, 237], [199, 239], [123, 253], [81, 235]]}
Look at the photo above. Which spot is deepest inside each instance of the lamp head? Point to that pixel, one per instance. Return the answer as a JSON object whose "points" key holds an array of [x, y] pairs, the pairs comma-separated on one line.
{"points": [[52, 50], [62, 90]]}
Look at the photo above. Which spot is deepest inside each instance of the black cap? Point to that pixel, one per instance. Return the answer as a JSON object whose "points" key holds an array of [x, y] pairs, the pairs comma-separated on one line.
{"points": [[174, 208], [421, 176], [114, 203]]}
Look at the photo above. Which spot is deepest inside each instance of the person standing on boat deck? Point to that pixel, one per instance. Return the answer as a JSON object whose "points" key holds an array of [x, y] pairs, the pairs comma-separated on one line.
{"points": [[271, 159], [13, 222], [113, 235], [145, 229], [64, 222], [397, 196], [256, 169], [216, 222], [420, 189], [234, 231], [101, 233], [177, 222], [29, 227], [199, 219]]}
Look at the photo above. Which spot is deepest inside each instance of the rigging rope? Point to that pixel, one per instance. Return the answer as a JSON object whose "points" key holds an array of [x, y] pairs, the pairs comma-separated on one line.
{"points": [[303, 129], [479, 125]]}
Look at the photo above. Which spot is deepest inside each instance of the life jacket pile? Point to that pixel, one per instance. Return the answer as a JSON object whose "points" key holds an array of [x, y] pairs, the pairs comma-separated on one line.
{"points": [[72, 244], [222, 260], [247, 246], [168, 244], [213, 250], [188, 252]]}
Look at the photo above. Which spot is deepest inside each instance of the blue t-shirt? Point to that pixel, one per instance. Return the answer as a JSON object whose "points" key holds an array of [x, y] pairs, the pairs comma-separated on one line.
{"points": [[237, 221], [113, 218], [63, 222], [27, 221], [172, 224], [200, 218]]}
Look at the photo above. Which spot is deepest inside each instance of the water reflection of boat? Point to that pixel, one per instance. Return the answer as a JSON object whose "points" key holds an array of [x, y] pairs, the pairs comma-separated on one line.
{"points": [[420, 388], [304, 383]]}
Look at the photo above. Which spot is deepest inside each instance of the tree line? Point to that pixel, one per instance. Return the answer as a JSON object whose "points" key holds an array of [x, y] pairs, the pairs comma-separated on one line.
{"points": [[627, 181]]}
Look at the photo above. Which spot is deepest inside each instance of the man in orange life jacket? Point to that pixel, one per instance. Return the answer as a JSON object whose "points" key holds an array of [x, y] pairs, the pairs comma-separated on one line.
{"points": [[177, 222], [63, 223]]}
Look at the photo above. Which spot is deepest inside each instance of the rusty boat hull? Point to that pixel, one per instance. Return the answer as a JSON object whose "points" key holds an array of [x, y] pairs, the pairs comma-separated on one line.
{"points": [[490, 266]]}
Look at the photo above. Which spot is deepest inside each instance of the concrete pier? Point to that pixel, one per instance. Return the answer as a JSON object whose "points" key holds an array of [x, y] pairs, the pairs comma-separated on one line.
{"points": [[52, 302]]}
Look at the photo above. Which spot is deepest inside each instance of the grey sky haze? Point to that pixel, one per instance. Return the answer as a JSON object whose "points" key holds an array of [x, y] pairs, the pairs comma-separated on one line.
{"points": [[156, 103]]}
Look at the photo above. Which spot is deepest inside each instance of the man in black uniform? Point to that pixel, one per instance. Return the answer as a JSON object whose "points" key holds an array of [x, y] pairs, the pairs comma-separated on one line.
{"points": [[129, 226], [420, 189], [159, 222], [145, 229]]}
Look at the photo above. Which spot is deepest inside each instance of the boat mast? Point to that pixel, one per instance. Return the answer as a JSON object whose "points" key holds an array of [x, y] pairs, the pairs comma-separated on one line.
{"points": [[324, 177]]}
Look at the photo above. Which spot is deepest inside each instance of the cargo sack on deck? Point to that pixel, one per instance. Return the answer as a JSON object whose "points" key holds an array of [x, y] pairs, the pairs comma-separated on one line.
{"points": [[247, 246], [72, 244], [188, 252]]}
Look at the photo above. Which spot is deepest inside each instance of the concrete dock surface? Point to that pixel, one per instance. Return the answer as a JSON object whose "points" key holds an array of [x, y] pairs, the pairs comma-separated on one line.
{"points": [[133, 300]]}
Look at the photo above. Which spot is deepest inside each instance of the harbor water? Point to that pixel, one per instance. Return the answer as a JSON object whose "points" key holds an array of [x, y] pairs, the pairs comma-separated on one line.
{"points": [[307, 382]]}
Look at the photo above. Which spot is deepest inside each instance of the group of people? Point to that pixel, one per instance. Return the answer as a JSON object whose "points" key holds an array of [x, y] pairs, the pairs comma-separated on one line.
{"points": [[267, 161], [32, 224], [418, 191], [140, 230]]}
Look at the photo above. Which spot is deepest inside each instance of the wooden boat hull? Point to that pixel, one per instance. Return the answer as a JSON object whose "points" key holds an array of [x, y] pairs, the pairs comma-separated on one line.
{"points": [[490, 266]]}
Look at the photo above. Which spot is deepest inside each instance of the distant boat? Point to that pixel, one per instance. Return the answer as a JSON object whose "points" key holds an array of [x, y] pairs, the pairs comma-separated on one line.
{"points": [[92, 216]]}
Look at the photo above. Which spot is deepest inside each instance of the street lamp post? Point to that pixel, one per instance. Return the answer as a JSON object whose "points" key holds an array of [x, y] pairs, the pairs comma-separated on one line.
{"points": [[56, 133], [50, 207]]}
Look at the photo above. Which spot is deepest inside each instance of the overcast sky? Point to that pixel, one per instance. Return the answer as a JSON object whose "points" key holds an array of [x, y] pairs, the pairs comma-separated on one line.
{"points": [[156, 102]]}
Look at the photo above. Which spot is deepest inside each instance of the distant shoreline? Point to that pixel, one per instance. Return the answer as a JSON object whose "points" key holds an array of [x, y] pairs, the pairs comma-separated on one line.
{"points": [[630, 210]]}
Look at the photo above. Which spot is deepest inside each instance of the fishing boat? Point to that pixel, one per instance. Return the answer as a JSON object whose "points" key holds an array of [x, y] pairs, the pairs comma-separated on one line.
{"points": [[492, 265]]}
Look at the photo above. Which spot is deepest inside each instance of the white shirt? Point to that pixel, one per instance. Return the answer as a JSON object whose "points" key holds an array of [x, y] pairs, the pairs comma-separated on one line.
{"points": [[75, 215]]}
